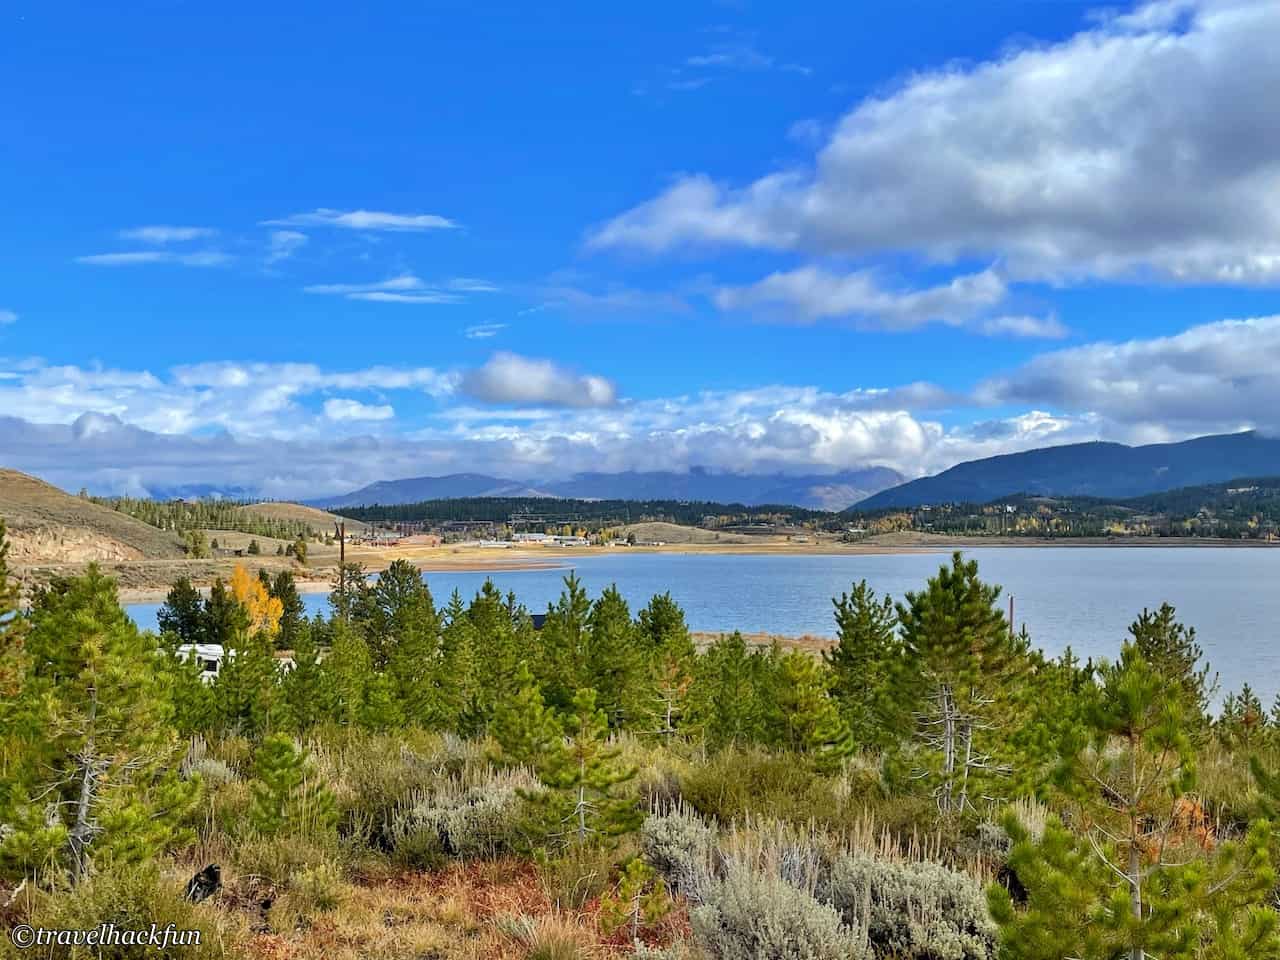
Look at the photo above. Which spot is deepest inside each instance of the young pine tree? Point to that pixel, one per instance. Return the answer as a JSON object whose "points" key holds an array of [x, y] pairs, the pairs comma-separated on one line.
{"points": [[613, 662], [1170, 648], [563, 642], [286, 794], [811, 723], [863, 662], [959, 662], [94, 727], [1143, 879], [525, 728], [585, 802]]}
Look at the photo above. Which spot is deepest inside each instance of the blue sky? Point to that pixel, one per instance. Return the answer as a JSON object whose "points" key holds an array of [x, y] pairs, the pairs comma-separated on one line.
{"points": [[301, 250]]}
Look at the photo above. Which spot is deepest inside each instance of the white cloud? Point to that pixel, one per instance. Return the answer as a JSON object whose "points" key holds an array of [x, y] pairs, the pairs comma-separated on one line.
{"points": [[405, 288], [295, 429], [343, 409], [809, 294], [482, 331], [161, 234], [201, 258], [512, 379], [1140, 146], [364, 220], [283, 244], [1023, 326], [7, 316]]}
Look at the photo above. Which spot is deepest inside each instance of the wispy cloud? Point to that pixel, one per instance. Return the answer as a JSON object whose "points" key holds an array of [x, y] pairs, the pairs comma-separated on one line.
{"points": [[373, 220], [7, 316], [161, 234], [283, 244], [200, 258], [483, 331], [1023, 326], [405, 288]]}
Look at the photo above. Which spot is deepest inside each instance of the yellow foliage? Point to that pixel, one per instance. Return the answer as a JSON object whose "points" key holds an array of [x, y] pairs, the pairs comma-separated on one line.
{"points": [[263, 609]]}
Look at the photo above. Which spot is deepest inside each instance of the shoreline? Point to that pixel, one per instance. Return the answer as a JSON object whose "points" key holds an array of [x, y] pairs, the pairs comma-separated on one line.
{"points": [[148, 581]]}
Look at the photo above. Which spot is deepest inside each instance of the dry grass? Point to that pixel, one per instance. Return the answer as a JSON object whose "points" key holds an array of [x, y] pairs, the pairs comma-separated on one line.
{"points": [[47, 525], [321, 521]]}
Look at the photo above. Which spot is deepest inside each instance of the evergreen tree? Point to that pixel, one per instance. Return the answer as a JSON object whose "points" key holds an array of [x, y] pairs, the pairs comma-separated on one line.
{"points": [[731, 700], [958, 661], [562, 664], [455, 698], [380, 711], [1170, 648], [224, 617], [863, 663], [182, 615], [246, 690], [585, 802], [347, 672], [293, 612], [668, 656], [811, 724], [612, 662], [1145, 879], [501, 636], [523, 725], [350, 584], [91, 721], [1243, 720], [285, 793], [303, 691]]}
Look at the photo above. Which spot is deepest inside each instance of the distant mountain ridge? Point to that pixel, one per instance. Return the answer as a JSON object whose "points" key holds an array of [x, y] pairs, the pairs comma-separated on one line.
{"points": [[1095, 469], [815, 491]]}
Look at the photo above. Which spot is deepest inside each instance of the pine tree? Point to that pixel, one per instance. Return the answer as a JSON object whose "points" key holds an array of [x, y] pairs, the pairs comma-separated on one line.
{"points": [[455, 697], [612, 659], [585, 803], [958, 659], [285, 793], [811, 724], [1170, 648], [302, 688], [380, 710], [562, 666], [1243, 720], [500, 636], [292, 610], [99, 784], [182, 615], [731, 698], [404, 636], [668, 655], [523, 725], [863, 663], [1144, 880], [347, 673]]}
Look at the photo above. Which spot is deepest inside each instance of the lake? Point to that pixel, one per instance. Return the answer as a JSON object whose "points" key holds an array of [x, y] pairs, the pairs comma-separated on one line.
{"points": [[1084, 597]]}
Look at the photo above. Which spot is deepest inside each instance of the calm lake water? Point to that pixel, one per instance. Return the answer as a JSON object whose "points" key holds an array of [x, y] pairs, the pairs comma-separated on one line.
{"points": [[1081, 597]]}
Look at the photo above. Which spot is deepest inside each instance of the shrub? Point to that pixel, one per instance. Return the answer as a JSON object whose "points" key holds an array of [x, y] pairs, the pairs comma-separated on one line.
{"points": [[749, 915], [280, 859], [133, 900], [460, 821], [736, 783], [914, 911], [679, 846], [548, 937]]}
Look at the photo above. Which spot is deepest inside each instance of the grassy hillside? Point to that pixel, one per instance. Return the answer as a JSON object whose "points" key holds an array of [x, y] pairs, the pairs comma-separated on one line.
{"points": [[47, 525]]}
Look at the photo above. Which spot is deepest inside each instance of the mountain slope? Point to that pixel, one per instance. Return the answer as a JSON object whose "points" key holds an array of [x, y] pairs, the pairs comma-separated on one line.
{"points": [[417, 489], [321, 521], [822, 492], [1092, 469], [46, 525]]}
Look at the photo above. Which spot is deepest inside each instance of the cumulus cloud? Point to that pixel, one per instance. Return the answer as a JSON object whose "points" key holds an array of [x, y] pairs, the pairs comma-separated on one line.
{"points": [[373, 220], [289, 430], [512, 379], [162, 234], [130, 258], [344, 409], [1140, 146], [810, 293]]}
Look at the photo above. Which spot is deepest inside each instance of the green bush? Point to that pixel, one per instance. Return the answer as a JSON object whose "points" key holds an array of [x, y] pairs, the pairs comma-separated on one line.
{"points": [[914, 911], [736, 784], [749, 915]]}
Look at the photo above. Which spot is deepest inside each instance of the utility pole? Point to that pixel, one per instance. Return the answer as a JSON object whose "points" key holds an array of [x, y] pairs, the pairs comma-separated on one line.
{"points": [[341, 530]]}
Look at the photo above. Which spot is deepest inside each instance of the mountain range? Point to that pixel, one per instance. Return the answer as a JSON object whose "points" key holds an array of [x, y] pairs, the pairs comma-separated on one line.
{"points": [[1091, 469], [815, 491]]}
